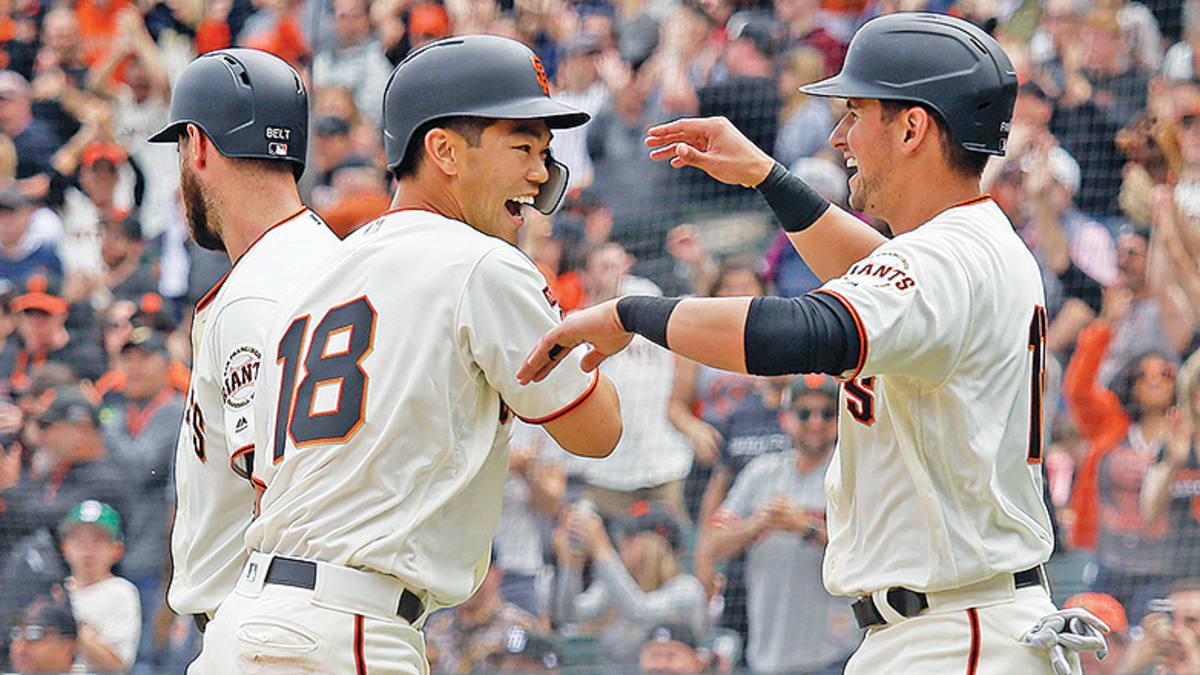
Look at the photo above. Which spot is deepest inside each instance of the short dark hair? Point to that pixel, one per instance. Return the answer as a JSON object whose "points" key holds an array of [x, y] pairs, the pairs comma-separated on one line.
{"points": [[959, 158], [1124, 381], [248, 164], [470, 128]]}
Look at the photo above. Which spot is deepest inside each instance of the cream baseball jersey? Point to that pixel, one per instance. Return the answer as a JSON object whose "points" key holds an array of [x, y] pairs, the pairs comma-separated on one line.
{"points": [[387, 392], [215, 499], [936, 482]]}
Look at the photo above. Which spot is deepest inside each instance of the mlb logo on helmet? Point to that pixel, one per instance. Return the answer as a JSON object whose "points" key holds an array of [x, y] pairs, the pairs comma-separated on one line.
{"points": [[277, 149]]}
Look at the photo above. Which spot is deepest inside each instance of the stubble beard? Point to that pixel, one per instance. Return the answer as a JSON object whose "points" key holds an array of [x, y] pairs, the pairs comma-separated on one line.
{"points": [[195, 205]]}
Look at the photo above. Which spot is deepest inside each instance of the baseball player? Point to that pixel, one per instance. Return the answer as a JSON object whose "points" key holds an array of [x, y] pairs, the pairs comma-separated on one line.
{"points": [[388, 387], [240, 119], [935, 519]]}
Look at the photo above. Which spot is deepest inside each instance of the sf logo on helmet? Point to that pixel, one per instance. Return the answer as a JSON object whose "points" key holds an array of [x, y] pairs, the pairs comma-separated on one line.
{"points": [[543, 81]]}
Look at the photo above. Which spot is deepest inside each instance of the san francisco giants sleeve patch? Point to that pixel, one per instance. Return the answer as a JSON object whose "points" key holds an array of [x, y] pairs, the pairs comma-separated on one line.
{"points": [[238, 376]]}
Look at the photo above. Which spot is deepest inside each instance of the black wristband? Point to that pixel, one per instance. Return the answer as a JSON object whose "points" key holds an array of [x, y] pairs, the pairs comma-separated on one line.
{"points": [[796, 205], [647, 316]]}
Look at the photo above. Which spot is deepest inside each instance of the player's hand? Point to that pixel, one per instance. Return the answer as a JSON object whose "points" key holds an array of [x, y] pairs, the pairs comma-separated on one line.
{"points": [[598, 325], [713, 145], [1074, 629]]}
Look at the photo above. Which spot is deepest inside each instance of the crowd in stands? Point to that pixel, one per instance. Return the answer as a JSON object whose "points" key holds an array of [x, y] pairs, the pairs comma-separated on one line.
{"points": [[697, 545]]}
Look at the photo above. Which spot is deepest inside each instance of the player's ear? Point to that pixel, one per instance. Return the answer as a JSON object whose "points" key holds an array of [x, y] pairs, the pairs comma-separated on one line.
{"points": [[442, 149], [915, 125], [197, 147]]}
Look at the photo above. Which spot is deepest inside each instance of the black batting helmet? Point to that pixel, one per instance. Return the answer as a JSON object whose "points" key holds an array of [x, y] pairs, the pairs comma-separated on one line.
{"points": [[946, 63], [250, 103], [477, 76]]}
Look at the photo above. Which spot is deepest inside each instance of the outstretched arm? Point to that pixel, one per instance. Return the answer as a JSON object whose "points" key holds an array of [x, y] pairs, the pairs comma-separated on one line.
{"points": [[829, 243], [762, 336]]}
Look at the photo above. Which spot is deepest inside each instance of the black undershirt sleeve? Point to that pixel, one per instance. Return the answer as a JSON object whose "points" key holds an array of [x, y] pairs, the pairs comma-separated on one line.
{"points": [[811, 334]]}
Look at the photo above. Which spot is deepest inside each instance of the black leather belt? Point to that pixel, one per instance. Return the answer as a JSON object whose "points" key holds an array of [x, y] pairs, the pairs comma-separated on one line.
{"points": [[303, 574], [910, 603]]}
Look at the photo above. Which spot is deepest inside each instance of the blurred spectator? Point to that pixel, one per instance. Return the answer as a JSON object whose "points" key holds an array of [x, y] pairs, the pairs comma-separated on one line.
{"points": [[1179, 63], [463, 639], [805, 121], [35, 141], [358, 62], [1168, 638], [20, 255], [427, 22], [1125, 427], [776, 511], [139, 110], [580, 86], [1153, 317], [702, 398], [359, 192], [105, 192], [1140, 30], [142, 430], [42, 329], [333, 148], [526, 652], [652, 458], [105, 606], [388, 19], [632, 590], [60, 75], [71, 464], [1102, 92], [128, 275], [748, 95], [45, 639], [672, 648], [800, 17], [1107, 609], [755, 428], [533, 497]]}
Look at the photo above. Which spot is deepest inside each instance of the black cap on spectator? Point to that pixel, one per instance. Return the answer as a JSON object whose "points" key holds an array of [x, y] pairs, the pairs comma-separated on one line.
{"points": [[673, 632], [534, 646], [653, 517], [148, 340], [71, 405], [332, 125], [154, 312], [51, 615]]}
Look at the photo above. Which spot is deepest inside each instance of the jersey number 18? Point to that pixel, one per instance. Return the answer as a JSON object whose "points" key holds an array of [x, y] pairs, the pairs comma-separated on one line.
{"points": [[341, 340]]}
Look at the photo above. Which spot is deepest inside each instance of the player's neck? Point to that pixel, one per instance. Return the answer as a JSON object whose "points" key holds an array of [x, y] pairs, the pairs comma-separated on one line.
{"points": [[417, 194], [926, 194], [255, 207]]}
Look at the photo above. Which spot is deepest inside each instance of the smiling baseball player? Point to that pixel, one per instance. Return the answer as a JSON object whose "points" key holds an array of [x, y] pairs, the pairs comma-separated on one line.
{"points": [[387, 390], [240, 119], [935, 519]]}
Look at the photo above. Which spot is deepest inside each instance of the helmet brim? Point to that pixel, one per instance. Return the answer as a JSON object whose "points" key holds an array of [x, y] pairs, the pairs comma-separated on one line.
{"points": [[842, 86], [168, 134], [556, 115]]}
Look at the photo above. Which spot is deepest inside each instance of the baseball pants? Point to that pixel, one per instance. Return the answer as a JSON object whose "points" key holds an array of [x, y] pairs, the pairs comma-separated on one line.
{"points": [[270, 628], [962, 639]]}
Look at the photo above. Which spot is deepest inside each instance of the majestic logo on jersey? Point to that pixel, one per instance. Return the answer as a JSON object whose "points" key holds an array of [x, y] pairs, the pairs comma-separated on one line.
{"points": [[237, 380], [882, 270]]}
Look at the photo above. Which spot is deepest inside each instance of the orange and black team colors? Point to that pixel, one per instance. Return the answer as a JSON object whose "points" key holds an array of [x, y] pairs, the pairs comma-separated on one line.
{"points": [[229, 335], [391, 460]]}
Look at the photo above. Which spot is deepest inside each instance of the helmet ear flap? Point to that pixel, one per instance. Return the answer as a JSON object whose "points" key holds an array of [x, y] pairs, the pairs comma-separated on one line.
{"points": [[551, 192]]}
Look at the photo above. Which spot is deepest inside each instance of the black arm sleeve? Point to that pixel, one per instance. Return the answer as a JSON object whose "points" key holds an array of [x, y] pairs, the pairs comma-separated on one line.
{"points": [[1077, 284], [811, 334]]}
